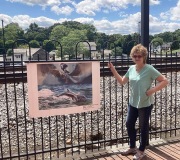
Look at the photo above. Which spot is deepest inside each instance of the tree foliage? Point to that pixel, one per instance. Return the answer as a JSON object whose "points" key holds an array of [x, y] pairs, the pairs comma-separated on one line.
{"points": [[13, 32], [34, 44], [157, 41], [69, 42], [118, 51], [9, 44], [69, 33], [58, 32], [48, 45]]}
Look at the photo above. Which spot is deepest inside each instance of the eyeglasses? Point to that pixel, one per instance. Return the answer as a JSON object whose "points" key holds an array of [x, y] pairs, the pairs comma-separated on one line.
{"points": [[137, 56]]}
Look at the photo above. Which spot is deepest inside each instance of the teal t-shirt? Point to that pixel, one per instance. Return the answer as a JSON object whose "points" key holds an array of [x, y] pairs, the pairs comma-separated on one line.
{"points": [[140, 83]]}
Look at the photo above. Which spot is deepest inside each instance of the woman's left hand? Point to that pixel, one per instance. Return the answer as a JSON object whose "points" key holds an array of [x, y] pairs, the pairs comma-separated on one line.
{"points": [[150, 92]]}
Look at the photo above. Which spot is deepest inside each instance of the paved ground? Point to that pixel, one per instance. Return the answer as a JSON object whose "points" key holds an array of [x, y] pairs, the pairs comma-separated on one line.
{"points": [[158, 150]]}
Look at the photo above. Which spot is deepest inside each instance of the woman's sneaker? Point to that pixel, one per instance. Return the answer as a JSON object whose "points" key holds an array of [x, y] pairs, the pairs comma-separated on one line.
{"points": [[139, 155], [129, 151]]}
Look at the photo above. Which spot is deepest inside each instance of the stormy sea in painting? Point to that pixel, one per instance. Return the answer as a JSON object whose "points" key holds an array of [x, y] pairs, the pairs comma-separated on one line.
{"points": [[64, 96]]}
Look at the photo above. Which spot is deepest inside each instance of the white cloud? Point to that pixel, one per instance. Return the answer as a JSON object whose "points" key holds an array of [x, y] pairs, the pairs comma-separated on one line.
{"points": [[61, 20], [126, 25], [105, 11], [6, 19], [24, 20], [38, 2], [66, 10], [172, 14], [159, 26], [85, 20], [123, 14], [155, 2], [87, 7], [90, 7], [175, 12], [165, 15]]}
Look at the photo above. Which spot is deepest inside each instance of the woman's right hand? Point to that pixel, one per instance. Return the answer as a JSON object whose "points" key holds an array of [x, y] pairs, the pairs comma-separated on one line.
{"points": [[110, 65]]}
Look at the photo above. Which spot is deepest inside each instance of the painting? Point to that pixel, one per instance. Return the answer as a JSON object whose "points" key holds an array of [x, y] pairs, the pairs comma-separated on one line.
{"points": [[60, 88]]}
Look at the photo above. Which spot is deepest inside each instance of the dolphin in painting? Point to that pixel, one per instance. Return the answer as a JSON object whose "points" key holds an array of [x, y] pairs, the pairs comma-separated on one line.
{"points": [[74, 96]]}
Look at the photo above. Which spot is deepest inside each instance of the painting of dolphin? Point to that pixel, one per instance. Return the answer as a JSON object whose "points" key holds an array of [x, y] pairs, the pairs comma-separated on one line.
{"points": [[74, 96]]}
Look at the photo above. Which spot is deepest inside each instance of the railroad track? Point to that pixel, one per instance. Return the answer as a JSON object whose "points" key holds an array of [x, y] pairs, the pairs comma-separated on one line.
{"points": [[16, 74]]}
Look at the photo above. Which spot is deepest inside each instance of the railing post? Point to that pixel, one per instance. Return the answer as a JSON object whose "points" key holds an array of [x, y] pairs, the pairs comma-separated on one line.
{"points": [[145, 27], [145, 23]]}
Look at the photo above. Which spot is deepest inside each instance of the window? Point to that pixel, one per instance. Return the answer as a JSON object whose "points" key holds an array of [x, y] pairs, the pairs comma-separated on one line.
{"points": [[17, 56]]}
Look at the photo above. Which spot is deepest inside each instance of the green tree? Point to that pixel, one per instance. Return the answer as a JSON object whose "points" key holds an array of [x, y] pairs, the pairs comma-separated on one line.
{"points": [[34, 44], [166, 36], [9, 44], [48, 45], [91, 30], [13, 32], [128, 44], [157, 41], [119, 40], [176, 38], [73, 25], [136, 37], [30, 35], [117, 52], [33, 27], [58, 32], [2, 49], [175, 45], [9, 52], [40, 37], [69, 42], [101, 39], [151, 38], [34, 32]]}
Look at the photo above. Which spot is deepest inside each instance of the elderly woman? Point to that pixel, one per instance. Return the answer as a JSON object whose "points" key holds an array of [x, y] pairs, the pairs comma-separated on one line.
{"points": [[140, 76]]}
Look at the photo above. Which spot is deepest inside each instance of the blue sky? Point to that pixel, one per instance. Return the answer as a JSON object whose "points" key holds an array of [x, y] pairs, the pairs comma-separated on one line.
{"points": [[108, 16]]}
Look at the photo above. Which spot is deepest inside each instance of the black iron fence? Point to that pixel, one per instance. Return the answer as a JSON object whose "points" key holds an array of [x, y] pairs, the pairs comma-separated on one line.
{"points": [[57, 137]]}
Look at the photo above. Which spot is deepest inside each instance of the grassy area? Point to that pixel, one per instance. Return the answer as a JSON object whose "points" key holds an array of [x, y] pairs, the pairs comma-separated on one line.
{"points": [[173, 52]]}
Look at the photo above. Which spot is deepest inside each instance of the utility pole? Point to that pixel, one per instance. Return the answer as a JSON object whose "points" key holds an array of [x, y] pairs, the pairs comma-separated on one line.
{"points": [[139, 32], [145, 23], [3, 36]]}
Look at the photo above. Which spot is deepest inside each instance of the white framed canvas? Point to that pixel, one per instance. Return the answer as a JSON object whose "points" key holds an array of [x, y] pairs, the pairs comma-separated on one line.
{"points": [[61, 88]]}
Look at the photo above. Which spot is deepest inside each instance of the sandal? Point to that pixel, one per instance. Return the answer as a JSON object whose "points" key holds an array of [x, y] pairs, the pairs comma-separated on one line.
{"points": [[129, 151], [139, 155]]}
